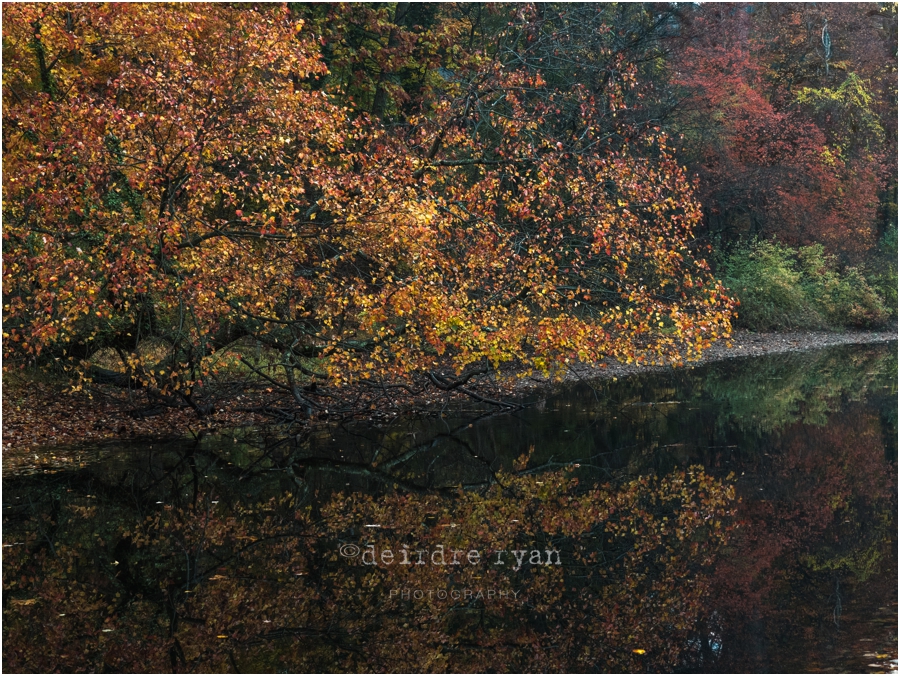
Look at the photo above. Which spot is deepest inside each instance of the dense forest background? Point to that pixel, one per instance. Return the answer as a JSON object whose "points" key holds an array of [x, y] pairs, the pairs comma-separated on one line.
{"points": [[377, 193]]}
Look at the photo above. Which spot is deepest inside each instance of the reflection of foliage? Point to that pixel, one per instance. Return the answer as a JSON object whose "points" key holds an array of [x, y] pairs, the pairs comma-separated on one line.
{"points": [[688, 413], [261, 587], [825, 521], [861, 564], [773, 392], [649, 421], [808, 436]]}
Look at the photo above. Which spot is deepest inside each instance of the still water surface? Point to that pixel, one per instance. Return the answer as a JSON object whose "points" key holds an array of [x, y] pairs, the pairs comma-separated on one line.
{"points": [[736, 517]]}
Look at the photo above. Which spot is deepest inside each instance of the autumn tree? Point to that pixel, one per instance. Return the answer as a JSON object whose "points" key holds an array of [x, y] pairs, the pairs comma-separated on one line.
{"points": [[387, 60], [787, 136], [181, 173]]}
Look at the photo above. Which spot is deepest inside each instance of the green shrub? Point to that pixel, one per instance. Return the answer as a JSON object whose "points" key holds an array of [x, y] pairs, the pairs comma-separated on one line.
{"points": [[783, 288], [764, 278], [843, 298], [882, 272]]}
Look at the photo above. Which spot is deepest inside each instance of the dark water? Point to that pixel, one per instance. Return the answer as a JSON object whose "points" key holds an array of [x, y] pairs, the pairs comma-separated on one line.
{"points": [[740, 517]]}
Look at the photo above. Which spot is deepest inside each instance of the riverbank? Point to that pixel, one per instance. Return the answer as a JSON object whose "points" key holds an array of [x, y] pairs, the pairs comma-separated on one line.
{"points": [[743, 344], [42, 414]]}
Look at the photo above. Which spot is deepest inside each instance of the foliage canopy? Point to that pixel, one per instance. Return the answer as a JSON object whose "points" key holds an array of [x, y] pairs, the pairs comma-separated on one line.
{"points": [[190, 178]]}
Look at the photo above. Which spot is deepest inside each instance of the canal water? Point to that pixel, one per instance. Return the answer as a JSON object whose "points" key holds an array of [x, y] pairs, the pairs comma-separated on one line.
{"points": [[735, 517]]}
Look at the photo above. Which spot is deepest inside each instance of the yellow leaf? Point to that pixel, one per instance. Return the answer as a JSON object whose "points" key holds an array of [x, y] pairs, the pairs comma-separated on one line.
{"points": [[24, 602]]}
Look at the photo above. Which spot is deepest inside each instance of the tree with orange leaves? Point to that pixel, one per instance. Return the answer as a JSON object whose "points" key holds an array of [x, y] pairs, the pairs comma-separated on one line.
{"points": [[177, 173]]}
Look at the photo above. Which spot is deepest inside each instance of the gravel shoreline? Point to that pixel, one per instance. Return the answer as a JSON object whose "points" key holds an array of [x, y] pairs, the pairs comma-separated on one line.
{"points": [[743, 344]]}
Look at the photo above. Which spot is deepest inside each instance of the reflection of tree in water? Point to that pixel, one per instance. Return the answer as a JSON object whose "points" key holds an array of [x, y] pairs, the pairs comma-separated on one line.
{"points": [[819, 522], [262, 586], [769, 393], [191, 558]]}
